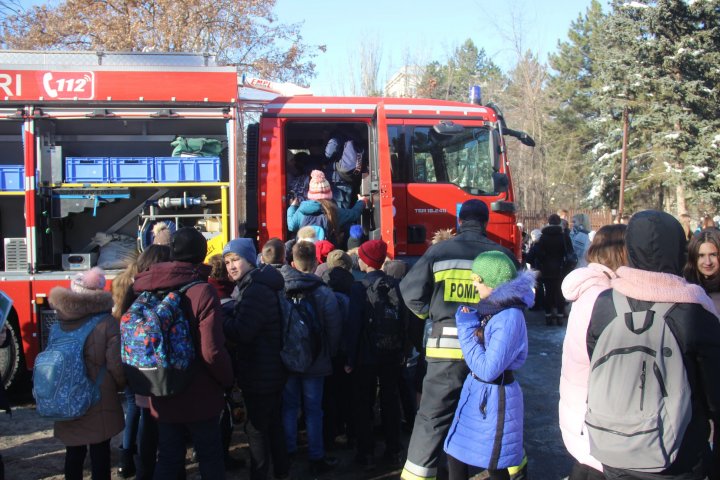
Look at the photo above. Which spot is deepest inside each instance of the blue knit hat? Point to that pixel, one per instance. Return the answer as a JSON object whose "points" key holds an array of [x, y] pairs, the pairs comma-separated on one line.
{"points": [[243, 247], [356, 231]]}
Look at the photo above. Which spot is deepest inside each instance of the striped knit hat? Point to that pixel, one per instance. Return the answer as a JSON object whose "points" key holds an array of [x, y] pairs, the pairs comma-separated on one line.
{"points": [[319, 188]]}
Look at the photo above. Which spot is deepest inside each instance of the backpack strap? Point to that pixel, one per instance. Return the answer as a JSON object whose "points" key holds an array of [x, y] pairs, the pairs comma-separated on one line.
{"points": [[656, 310], [89, 326], [187, 287]]}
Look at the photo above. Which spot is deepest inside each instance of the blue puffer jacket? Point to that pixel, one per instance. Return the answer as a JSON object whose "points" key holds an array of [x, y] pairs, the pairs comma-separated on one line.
{"points": [[472, 437], [296, 214]]}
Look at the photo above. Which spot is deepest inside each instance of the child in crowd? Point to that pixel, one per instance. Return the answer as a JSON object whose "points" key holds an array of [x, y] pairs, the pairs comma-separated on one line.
{"points": [[306, 389], [320, 210], [83, 302], [141, 431], [487, 430]]}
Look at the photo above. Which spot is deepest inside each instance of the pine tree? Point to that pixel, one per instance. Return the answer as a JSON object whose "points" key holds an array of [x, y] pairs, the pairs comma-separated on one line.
{"points": [[570, 139], [659, 61], [467, 66]]}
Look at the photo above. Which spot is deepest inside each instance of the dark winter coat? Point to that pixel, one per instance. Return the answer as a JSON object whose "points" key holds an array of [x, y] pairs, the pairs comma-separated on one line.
{"points": [[549, 252], [327, 304], [474, 436], [204, 397], [361, 347], [256, 330], [657, 257], [105, 419], [341, 282]]}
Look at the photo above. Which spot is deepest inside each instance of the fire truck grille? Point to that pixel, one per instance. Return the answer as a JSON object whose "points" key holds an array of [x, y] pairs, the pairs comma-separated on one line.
{"points": [[47, 319]]}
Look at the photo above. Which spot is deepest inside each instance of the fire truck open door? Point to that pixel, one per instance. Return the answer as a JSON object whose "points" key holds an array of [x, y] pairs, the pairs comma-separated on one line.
{"points": [[381, 181]]}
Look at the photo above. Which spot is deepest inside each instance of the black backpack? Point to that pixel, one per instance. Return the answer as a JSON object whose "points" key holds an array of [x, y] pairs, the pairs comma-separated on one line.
{"points": [[302, 330], [385, 324]]}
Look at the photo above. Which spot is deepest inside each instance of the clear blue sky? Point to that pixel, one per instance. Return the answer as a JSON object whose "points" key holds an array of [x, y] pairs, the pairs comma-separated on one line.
{"points": [[419, 31], [423, 30]]}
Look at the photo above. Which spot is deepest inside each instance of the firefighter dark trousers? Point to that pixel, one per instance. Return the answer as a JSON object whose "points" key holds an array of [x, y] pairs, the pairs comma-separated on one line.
{"points": [[440, 395]]}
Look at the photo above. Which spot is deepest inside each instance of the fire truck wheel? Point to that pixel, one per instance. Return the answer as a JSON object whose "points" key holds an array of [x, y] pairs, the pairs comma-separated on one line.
{"points": [[10, 357]]}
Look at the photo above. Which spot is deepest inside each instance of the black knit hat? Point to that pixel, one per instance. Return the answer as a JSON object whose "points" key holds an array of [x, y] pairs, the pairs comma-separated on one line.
{"points": [[188, 245]]}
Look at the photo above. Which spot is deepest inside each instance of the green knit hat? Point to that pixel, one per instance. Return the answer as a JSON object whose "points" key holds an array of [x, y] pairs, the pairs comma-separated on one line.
{"points": [[494, 268]]}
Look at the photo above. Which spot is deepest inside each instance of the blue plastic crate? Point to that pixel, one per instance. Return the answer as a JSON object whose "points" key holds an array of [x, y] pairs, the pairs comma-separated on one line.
{"points": [[132, 169], [187, 169], [12, 177], [87, 169]]}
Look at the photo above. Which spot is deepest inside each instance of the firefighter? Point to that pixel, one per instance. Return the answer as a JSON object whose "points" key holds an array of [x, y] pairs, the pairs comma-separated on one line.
{"points": [[434, 288]]}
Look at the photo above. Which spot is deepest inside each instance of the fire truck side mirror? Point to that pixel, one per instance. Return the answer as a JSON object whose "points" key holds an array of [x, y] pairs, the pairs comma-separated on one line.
{"points": [[524, 138], [500, 182]]}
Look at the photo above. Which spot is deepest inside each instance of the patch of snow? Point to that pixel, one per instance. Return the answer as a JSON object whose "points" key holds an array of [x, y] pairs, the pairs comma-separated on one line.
{"points": [[635, 5], [699, 171], [596, 148], [672, 136], [670, 169], [609, 155]]}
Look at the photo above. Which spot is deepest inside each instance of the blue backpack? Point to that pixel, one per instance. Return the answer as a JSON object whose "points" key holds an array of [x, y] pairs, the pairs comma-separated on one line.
{"points": [[61, 386], [157, 344]]}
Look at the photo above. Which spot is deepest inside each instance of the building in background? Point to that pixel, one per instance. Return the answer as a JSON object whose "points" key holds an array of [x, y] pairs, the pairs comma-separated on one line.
{"points": [[405, 82]]}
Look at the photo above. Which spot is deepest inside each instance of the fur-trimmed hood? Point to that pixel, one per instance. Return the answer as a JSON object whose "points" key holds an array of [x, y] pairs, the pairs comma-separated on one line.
{"points": [[72, 306], [519, 288]]}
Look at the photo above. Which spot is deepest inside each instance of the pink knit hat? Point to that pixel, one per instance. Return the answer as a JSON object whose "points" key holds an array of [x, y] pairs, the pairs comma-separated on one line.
{"points": [[84, 282], [319, 187]]}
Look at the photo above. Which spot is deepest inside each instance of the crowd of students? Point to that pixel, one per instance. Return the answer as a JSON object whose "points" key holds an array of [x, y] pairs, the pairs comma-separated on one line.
{"points": [[459, 352]]}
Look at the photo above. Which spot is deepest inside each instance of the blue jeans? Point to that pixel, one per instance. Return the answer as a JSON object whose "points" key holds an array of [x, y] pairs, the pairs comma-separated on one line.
{"points": [[208, 446], [311, 391], [132, 419]]}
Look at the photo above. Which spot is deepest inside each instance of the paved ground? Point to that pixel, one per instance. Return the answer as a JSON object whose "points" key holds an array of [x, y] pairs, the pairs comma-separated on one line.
{"points": [[30, 452]]}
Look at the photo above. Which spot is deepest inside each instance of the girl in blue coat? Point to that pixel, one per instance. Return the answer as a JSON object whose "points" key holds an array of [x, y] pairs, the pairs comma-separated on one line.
{"points": [[320, 211], [487, 430]]}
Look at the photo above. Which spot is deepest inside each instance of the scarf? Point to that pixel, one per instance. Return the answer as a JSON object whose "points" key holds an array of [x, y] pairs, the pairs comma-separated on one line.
{"points": [[660, 287]]}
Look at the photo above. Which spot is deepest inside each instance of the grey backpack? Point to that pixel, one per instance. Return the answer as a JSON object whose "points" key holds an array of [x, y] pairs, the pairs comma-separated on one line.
{"points": [[638, 393]]}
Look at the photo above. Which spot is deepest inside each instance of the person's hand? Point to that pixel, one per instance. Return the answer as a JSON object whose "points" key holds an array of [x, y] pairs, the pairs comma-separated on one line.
{"points": [[348, 369], [364, 198], [465, 309], [295, 202]]}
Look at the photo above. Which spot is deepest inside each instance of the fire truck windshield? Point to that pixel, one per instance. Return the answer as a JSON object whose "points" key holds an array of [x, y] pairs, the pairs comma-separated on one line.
{"points": [[466, 159]]}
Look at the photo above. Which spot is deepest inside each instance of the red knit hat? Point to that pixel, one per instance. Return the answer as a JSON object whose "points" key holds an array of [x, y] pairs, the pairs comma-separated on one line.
{"points": [[322, 248], [373, 253], [319, 187]]}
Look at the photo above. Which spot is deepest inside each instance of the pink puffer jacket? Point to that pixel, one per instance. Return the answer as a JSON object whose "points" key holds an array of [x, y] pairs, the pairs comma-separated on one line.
{"points": [[582, 287]]}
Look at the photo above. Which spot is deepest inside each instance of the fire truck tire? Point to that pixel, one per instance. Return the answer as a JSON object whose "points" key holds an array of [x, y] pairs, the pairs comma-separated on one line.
{"points": [[10, 357]]}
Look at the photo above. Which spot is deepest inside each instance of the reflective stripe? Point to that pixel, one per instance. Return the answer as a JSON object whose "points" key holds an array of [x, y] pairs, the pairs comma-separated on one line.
{"points": [[449, 332], [413, 472], [439, 352], [515, 470], [452, 265], [405, 475], [445, 342]]}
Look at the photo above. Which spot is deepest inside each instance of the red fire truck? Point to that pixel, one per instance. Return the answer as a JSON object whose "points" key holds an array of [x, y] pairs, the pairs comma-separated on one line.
{"points": [[89, 161]]}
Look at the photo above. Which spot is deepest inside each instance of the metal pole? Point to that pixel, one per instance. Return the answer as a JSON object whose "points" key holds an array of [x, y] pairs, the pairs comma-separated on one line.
{"points": [[623, 163]]}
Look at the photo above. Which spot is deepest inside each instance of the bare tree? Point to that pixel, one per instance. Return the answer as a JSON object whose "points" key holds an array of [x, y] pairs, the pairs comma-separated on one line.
{"points": [[240, 32]]}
